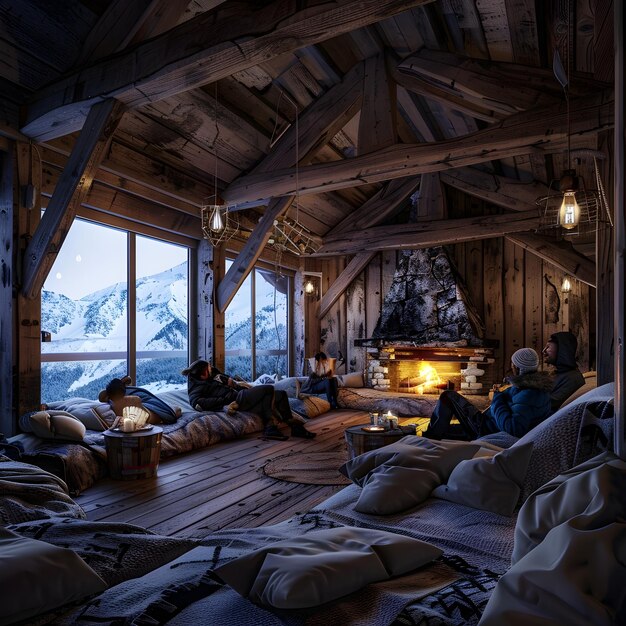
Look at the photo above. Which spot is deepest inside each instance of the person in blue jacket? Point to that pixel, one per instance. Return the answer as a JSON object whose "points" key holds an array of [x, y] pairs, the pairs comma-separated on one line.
{"points": [[515, 410]]}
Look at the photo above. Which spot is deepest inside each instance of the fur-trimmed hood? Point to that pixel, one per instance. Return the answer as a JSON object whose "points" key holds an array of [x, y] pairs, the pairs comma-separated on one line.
{"points": [[533, 380]]}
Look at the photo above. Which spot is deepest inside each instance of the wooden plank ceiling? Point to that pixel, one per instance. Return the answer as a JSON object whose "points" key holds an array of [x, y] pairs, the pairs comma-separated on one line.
{"points": [[344, 105]]}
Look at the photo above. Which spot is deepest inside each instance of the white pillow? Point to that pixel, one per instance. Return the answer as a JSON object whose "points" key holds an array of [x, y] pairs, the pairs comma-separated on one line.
{"points": [[489, 483], [323, 565], [36, 577], [353, 379]]}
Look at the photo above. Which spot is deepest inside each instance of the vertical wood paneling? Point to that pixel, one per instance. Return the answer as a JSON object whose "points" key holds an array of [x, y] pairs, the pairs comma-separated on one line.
{"points": [[513, 290], [7, 423], [552, 307], [355, 324], [533, 303], [373, 294], [388, 268], [333, 325], [493, 303]]}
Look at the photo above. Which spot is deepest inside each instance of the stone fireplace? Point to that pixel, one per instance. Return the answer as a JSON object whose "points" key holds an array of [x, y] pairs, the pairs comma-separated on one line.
{"points": [[429, 336]]}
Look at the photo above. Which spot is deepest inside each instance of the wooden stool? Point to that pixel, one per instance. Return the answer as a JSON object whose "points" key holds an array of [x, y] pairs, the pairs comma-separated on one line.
{"points": [[360, 441], [133, 455]]}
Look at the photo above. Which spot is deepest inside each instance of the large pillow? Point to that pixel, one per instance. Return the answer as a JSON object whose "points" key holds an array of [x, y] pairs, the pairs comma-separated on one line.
{"points": [[489, 483], [323, 565], [556, 439], [403, 474], [309, 406], [593, 492], [353, 379], [95, 415], [574, 577], [36, 577], [53, 425]]}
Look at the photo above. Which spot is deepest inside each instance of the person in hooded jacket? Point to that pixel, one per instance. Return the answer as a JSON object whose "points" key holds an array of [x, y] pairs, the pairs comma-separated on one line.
{"points": [[515, 410], [212, 390], [560, 352]]}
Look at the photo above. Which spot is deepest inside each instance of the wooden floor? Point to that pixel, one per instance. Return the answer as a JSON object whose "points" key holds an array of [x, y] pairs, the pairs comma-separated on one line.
{"points": [[222, 486]]}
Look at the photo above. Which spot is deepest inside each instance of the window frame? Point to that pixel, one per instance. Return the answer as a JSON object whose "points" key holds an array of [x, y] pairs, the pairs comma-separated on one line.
{"points": [[132, 355]]}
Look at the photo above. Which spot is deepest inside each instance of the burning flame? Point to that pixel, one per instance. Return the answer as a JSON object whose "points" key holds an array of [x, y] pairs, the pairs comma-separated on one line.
{"points": [[429, 376]]}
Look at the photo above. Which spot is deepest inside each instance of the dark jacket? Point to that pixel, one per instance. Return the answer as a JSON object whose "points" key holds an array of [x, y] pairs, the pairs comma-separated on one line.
{"points": [[568, 377], [520, 407], [209, 394]]}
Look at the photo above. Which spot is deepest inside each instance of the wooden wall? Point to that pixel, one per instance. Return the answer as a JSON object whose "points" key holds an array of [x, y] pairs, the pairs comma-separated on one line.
{"points": [[517, 295]]}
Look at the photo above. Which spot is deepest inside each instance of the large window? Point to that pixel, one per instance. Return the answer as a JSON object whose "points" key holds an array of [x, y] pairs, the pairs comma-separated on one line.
{"points": [[256, 324], [100, 328]]}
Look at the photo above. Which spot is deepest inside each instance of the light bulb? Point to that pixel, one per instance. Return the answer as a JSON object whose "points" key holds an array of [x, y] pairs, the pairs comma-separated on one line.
{"points": [[569, 214], [309, 287], [217, 222], [566, 287]]}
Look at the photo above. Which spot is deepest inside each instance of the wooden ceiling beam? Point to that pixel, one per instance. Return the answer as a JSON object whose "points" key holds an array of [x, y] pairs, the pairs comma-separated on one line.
{"points": [[250, 253], [318, 123], [560, 254], [505, 192], [202, 50], [93, 143], [521, 133], [380, 206], [425, 234], [342, 282]]}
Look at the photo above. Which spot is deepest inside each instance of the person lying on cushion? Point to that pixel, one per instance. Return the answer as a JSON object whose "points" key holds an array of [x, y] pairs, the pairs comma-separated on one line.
{"points": [[515, 410], [322, 380], [212, 390], [119, 393]]}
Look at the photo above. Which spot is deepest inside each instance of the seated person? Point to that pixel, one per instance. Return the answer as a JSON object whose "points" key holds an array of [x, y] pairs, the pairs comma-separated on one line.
{"points": [[515, 410], [119, 394], [211, 390], [322, 380], [560, 352]]}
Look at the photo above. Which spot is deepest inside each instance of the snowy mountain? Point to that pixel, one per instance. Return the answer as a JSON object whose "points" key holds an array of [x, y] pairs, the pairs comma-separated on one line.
{"points": [[97, 323]]}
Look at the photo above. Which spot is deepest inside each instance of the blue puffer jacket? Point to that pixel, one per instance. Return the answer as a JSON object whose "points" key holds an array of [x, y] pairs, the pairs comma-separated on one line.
{"points": [[520, 407]]}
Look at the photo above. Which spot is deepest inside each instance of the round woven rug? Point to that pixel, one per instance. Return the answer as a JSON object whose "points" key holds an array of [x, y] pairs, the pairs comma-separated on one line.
{"points": [[312, 468]]}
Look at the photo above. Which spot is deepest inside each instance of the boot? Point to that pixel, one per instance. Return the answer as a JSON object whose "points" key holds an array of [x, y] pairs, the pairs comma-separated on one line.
{"points": [[298, 430]]}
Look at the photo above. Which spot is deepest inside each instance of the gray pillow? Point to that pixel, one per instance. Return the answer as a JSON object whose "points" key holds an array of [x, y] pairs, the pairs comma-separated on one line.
{"points": [[36, 577], [53, 425], [323, 565], [403, 474], [575, 577], [593, 492], [489, 483]]}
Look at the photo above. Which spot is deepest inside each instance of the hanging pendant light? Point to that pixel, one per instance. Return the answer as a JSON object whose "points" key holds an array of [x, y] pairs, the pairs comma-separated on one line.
{"points": [[219, 224], [569, 212]]}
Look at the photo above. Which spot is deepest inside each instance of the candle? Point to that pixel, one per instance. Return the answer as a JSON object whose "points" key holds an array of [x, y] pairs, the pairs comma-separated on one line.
{"points": [[128, 425]]}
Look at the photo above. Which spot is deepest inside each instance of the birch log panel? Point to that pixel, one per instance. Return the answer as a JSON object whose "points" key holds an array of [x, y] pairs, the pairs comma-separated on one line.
{"points": [[355, 324]]}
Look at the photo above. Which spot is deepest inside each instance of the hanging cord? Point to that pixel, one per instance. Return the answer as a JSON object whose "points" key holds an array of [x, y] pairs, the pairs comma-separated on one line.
{"points": [[566, 87], [217, 134], [603, 200]]}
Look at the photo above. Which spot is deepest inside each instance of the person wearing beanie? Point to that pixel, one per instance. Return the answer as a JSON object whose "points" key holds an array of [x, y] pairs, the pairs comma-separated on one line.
{"points": [[516, 410], [211, 390], [560, 352]]}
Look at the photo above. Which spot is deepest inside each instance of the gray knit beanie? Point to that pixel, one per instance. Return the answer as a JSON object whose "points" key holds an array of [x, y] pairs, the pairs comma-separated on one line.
{"points": [[526, 360]]}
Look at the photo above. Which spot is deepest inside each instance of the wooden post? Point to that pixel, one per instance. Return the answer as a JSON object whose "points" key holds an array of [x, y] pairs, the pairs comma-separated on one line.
{"points": [[28, 316], [7, 422], [619, 236], [204, 279], [218, 266]]}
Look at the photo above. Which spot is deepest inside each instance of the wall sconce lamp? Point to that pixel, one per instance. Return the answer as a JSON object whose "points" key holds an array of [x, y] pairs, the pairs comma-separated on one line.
{"points": [[566, 286], [312, 286]]}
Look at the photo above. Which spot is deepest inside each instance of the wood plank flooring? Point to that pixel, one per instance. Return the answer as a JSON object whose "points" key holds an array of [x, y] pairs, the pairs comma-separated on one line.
{"points": [[222, 486]]}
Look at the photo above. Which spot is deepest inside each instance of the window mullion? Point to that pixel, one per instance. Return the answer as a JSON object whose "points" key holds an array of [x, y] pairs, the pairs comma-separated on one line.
{"points": [[131, 305], [253, 321]]}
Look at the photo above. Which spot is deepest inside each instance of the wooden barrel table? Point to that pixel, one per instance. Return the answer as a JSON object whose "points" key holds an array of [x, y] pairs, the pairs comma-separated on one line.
{"points": [[135, 455], [360, 441]]}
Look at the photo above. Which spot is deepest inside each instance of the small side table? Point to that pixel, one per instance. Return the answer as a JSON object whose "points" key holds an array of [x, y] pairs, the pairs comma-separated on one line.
{"points": [[360, 441], [133, 455]]}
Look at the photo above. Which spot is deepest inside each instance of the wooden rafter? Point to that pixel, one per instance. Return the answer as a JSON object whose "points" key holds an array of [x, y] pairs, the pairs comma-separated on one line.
{"points": [[202, 50], [519, 134], [425, 234], [69, 193], [352, 270], [561, 254], [251, 252]]}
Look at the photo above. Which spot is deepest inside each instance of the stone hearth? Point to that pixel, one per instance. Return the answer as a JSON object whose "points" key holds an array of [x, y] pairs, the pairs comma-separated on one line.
{"points": [[416, 369]]}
